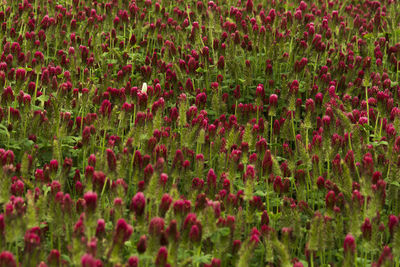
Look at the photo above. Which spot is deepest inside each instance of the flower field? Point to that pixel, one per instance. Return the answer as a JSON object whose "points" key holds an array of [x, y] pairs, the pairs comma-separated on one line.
{"points": [[199, 133]]}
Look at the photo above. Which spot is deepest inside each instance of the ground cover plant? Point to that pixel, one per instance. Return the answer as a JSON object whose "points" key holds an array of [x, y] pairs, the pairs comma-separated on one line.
{"points": [[199, 133]]}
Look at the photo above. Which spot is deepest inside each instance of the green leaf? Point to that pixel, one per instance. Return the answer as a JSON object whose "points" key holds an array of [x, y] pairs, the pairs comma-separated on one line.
{"points": [[274, 145], [368, 127], [367, 36], [66, 258], [70, 139], [4, 130], [395, 183], [201, 70], [112, 61], [305, 263], [46, 189], [43, 98], [128, 244], [109, 226], [224, 231], [260, 193], [26, 143], [202, 258], [279, 158]]}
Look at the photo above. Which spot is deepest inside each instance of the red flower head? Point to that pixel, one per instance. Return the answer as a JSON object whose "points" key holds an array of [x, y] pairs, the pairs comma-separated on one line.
{"points": [[123, 231], [393, 223], [101, 228], [172, 231], [32, 240], [138, 204], [366, 229], [349, 244], [166, 201], [161, 258], [111, 160], [54, 258], [156, 226], [195, 234], [91, 201], [221, 62], [7, 259], [264, 218], [142, 244], [133, 262], [88, 260], [330, 199], [273, 100]]}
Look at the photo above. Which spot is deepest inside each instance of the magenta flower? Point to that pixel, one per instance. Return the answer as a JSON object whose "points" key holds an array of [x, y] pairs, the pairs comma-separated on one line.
{"points": [[133, 262], [138, 204], [393, 223], [161, 258], [101, 228], [221, 62], [165, 203], [88, 260], [54, 258], [195, 234], [156, 226], [7, 259], [91, 201], [349, 244], [111, 160], [142, 244], [123, 231], [366, 229]]}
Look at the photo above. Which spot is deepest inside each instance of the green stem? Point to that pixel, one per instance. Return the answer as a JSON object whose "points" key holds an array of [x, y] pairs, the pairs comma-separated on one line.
{"points": [[293, 130], [198, 253], [376, 126], [366, 99], [267, 195], [311, 259], [328, 168], [270, 130], [36, 87], [354, 161], [16, 253], [355, 259]]}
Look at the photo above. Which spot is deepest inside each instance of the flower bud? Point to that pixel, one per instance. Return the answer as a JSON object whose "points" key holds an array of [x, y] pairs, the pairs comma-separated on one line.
{"points": [[111, 160], [393, 223], [195, 234], [123, 231], [91, 201], [133, 262], [166, 201], [264, 218], [7, 259], [88, 260], [330, 199], [366, 229], [142, 244], [101, 228], [161, 258], [156, 226], [138, 204], [54, 258], [349, 244]]}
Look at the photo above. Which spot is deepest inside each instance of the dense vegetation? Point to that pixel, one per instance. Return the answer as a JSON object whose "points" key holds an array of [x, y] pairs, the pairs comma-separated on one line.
{"points": [[199, 133]]}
